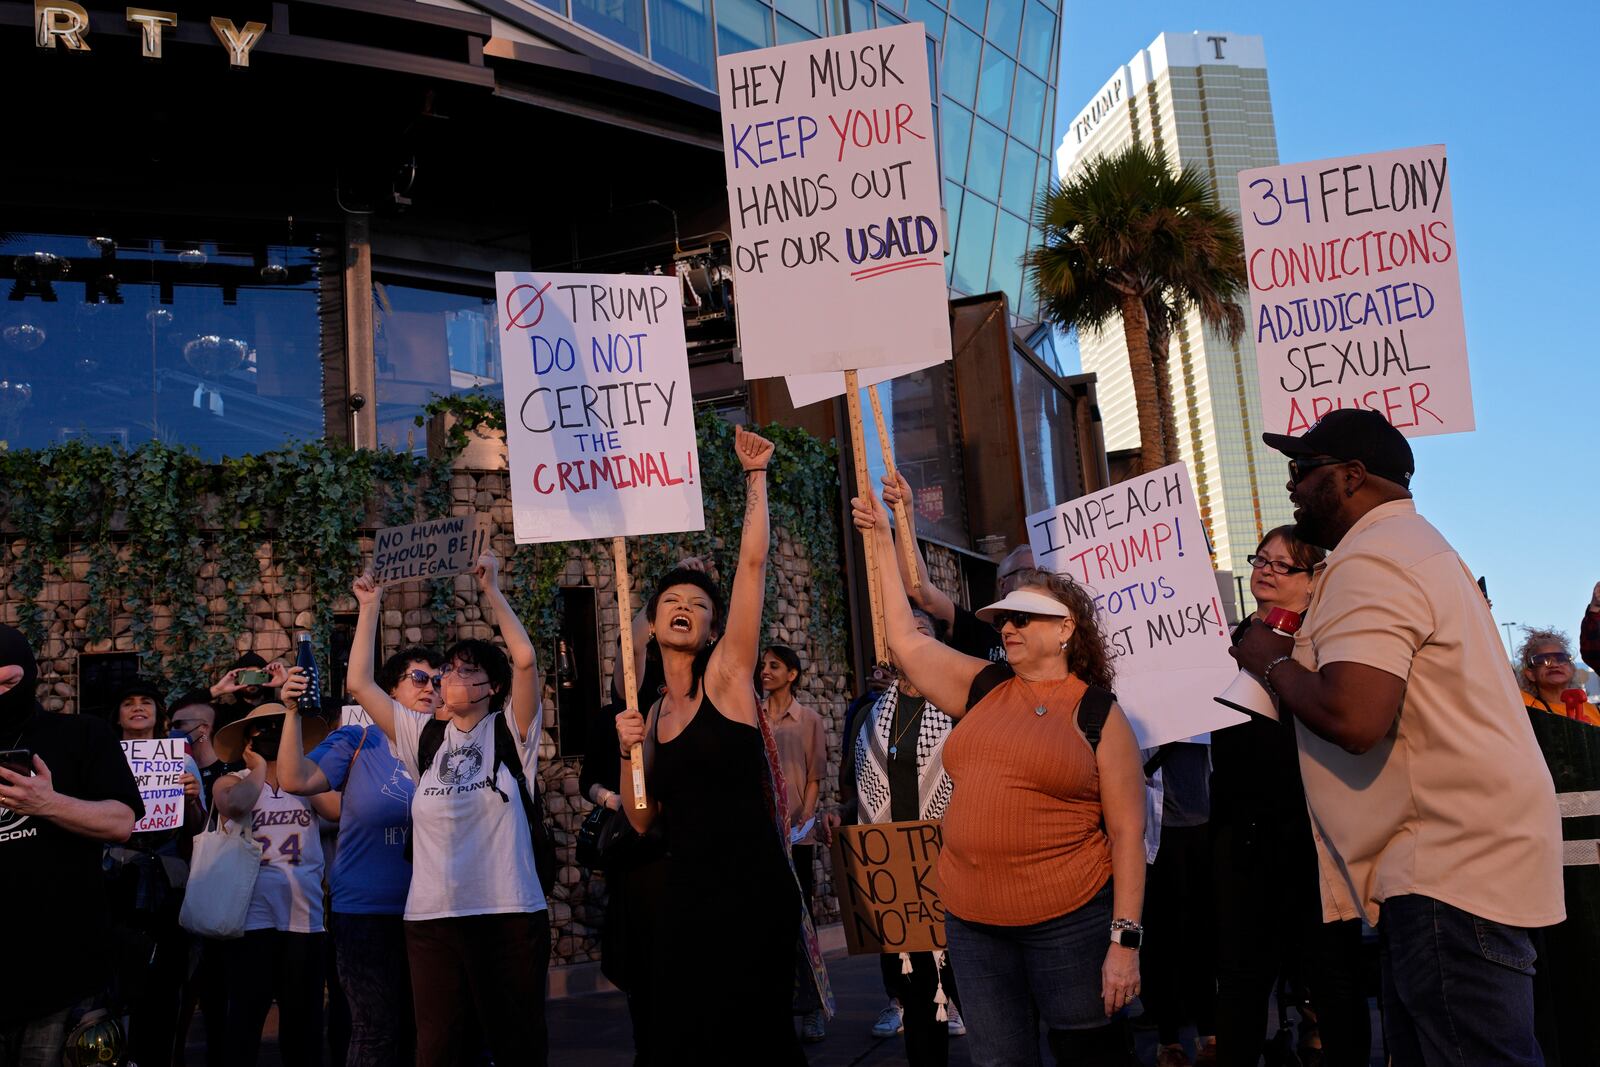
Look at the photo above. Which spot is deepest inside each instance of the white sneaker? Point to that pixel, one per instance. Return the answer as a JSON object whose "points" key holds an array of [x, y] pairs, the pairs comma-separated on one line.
{"points": [[957, 1027], [813, 1028], [889, 1021]]}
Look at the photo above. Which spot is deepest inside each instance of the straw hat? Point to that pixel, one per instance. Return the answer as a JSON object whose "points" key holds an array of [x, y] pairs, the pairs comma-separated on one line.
{"points": [[228, 742]]}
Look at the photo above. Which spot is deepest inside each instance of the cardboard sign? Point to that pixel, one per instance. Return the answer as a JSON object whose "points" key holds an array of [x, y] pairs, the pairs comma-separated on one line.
{"points": [[599, 415], [1140, 550], [886, 876], [1355, 295], [833, 191], [440, 548], [157, 765]]}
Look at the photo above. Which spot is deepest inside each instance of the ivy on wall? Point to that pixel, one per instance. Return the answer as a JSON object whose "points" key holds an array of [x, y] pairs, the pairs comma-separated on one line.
{"points": [[147, 529]]}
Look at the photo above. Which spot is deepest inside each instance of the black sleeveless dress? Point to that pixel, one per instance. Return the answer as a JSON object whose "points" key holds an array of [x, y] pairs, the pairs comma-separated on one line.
{"points": [[724, 971]]}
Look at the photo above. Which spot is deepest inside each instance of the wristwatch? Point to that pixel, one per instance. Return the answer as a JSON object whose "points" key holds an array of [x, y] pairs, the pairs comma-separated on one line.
{"points": [[1127, 933]]}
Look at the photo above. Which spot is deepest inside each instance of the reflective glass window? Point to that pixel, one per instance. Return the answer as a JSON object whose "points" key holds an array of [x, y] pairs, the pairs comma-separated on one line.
{"points": [[960, 71], [931, 17], [680, 38], [429, 343], [1022, 167], [994, 86], [970, 11], [984, 160], [559, 6], [743, 25], [126, 338], [1047, 172], [952, 226], [1038, 37], [790, 31], [808, 13], [886, 17], [1027, 109], [955, 127], [972, 245], [859, 12], [1005, 22], [925, 433], [1010, 242], [1045, 420], [620, 20]]}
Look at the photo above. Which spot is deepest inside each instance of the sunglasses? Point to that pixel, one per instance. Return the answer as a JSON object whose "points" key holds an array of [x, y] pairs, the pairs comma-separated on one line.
{"points": [[1299, 468], [421, 678], [1550, 659], [1276, 566], [1018, 619]]}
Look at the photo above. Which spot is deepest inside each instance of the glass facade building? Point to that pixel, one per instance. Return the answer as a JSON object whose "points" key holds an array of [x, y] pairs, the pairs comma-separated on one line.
{"points": [[994, 62]]}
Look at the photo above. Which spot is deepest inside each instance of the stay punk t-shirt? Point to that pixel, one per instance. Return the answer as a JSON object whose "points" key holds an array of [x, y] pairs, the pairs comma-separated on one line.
{"points": [[471, 846]]}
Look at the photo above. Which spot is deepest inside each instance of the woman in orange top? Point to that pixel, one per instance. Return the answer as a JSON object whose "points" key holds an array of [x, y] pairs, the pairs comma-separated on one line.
{"points": [[1042, 865], [1547, 673]]}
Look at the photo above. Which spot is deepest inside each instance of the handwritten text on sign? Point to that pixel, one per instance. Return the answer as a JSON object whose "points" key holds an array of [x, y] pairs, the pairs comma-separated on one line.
{"points": [[599, 417], [157, 766], [436, 549], [1355, 293], [1140, 550], [833, 189], [887, 877]]}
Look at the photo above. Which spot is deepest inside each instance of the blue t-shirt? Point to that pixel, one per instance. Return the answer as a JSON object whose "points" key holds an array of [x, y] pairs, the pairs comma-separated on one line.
{"points": [[371, 874]]}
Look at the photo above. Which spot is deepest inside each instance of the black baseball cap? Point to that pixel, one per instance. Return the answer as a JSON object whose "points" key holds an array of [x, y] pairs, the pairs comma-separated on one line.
{"points": [[1353, 434]]}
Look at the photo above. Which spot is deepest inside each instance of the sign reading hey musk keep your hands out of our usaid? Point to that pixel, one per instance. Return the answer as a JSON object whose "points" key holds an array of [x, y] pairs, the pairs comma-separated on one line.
{"points": [[599, 418], [833, 189], [1354, 290], [1140, 550]]}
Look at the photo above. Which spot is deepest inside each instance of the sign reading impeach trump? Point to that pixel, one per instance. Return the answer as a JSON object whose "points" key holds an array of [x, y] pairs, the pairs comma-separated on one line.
{"points": [[599, 417], [1355, 295], [833, 191]]}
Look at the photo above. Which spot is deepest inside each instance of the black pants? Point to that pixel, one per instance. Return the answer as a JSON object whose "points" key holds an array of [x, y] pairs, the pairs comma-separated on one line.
{"points": [[927, 1039], [491, 966], [1180, 959], [376, 981], [269, 965], [207, 990], [804, 866], [1269, 925]]}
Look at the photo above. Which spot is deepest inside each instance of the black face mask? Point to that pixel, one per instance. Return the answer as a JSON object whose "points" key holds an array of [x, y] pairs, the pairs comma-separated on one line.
{"points": [[266, 743], [21, 700]]}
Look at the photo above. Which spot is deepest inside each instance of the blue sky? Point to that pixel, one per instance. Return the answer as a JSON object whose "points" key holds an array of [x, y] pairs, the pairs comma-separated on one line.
{"points": [[1509, 91]]}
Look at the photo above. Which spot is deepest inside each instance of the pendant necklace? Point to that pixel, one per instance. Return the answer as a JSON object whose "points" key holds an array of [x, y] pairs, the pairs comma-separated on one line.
{"points": [[894, 745], [1039, 708]]}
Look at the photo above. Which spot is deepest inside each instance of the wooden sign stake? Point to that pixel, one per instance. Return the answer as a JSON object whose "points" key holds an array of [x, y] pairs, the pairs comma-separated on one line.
{"points": [[858, 446], [630, 685], [902, 518]]}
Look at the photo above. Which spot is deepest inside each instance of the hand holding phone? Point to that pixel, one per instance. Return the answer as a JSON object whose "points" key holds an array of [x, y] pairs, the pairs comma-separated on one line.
{"points": [[19, 761]]}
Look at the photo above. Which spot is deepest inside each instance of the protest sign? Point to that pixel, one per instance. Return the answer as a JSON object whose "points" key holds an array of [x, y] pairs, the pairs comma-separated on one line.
{"points": [[439, 548], [1140, 550], [809, 388], [354, 715], [157, 765], [833, 192], [599, 416], [1355, 293], [887, 879]]}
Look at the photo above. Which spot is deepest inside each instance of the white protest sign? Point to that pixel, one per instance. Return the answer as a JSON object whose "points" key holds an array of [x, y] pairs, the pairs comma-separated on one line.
{"points": [[833, 192], [1140, 550], [354, 715], [1355, 293], [809, 388], [599, 416], [439, 548], [157, 765]]}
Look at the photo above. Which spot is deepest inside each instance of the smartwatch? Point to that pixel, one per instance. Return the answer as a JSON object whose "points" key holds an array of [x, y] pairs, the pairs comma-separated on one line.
{"points": [[1127, 933]]}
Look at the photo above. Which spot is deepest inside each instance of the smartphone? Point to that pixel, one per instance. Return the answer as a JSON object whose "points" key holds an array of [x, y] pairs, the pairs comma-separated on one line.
{"points": [[18, 761], [250, 677]]}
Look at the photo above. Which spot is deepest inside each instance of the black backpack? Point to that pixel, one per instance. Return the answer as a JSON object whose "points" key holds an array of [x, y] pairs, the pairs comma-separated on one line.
{"points": [[505, 755]]}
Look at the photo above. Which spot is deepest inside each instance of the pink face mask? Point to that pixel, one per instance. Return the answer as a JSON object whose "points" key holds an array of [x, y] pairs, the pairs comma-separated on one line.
{"points": [[459, 694]]}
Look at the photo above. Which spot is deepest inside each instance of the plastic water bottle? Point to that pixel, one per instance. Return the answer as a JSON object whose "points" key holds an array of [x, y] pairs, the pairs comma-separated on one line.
{"points": [[306, 660]]}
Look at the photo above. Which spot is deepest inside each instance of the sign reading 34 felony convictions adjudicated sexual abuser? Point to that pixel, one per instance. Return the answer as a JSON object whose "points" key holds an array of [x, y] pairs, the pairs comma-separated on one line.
{"points": [[599, 417], [1140, 550], [833, 189], [1354, 290]]}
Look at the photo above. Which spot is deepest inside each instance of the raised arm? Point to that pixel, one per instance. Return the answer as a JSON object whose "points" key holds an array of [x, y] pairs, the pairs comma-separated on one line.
{"points": [[370, 695], [526, 686], [296, 773], [734, 661], [942, 674], [927, 596]]}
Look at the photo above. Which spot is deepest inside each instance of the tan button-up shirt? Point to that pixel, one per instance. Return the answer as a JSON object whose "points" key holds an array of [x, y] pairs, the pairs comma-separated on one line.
{"points": [[1456, 803], [802, 741]]}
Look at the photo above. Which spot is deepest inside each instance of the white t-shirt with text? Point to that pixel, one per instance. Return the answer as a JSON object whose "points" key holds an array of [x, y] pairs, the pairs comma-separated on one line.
{"points": [[288, 894]]}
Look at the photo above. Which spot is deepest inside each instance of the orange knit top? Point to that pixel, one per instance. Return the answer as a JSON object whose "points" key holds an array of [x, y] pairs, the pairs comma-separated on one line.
{"points": [[1023, 840]]}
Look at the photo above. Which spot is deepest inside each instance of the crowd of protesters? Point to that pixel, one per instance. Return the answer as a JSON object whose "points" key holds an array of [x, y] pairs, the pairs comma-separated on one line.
{"points": [[1399, 803]]}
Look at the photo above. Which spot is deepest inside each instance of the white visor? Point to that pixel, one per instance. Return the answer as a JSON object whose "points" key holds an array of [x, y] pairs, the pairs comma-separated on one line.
{"points": [[1025, 600]]}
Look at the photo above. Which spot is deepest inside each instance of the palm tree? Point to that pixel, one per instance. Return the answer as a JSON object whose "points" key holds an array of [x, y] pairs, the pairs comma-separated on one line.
{"points": [[1128, 237]]}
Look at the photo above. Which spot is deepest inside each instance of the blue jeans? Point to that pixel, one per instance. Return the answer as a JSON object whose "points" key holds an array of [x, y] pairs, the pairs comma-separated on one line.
{"points": [[1012, 976], [376, 979], [1457, 989]]}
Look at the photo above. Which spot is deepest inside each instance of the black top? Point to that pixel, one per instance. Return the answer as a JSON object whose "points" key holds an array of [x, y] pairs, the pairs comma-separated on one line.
{"points": [[1185, 800], [600, 741], [1255, 770], [973, 637], [52, 886], [210, 773], [905, 722]]}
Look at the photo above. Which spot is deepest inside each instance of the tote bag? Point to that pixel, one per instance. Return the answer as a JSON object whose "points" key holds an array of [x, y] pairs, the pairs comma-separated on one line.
{"points": [[222, 878]]}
